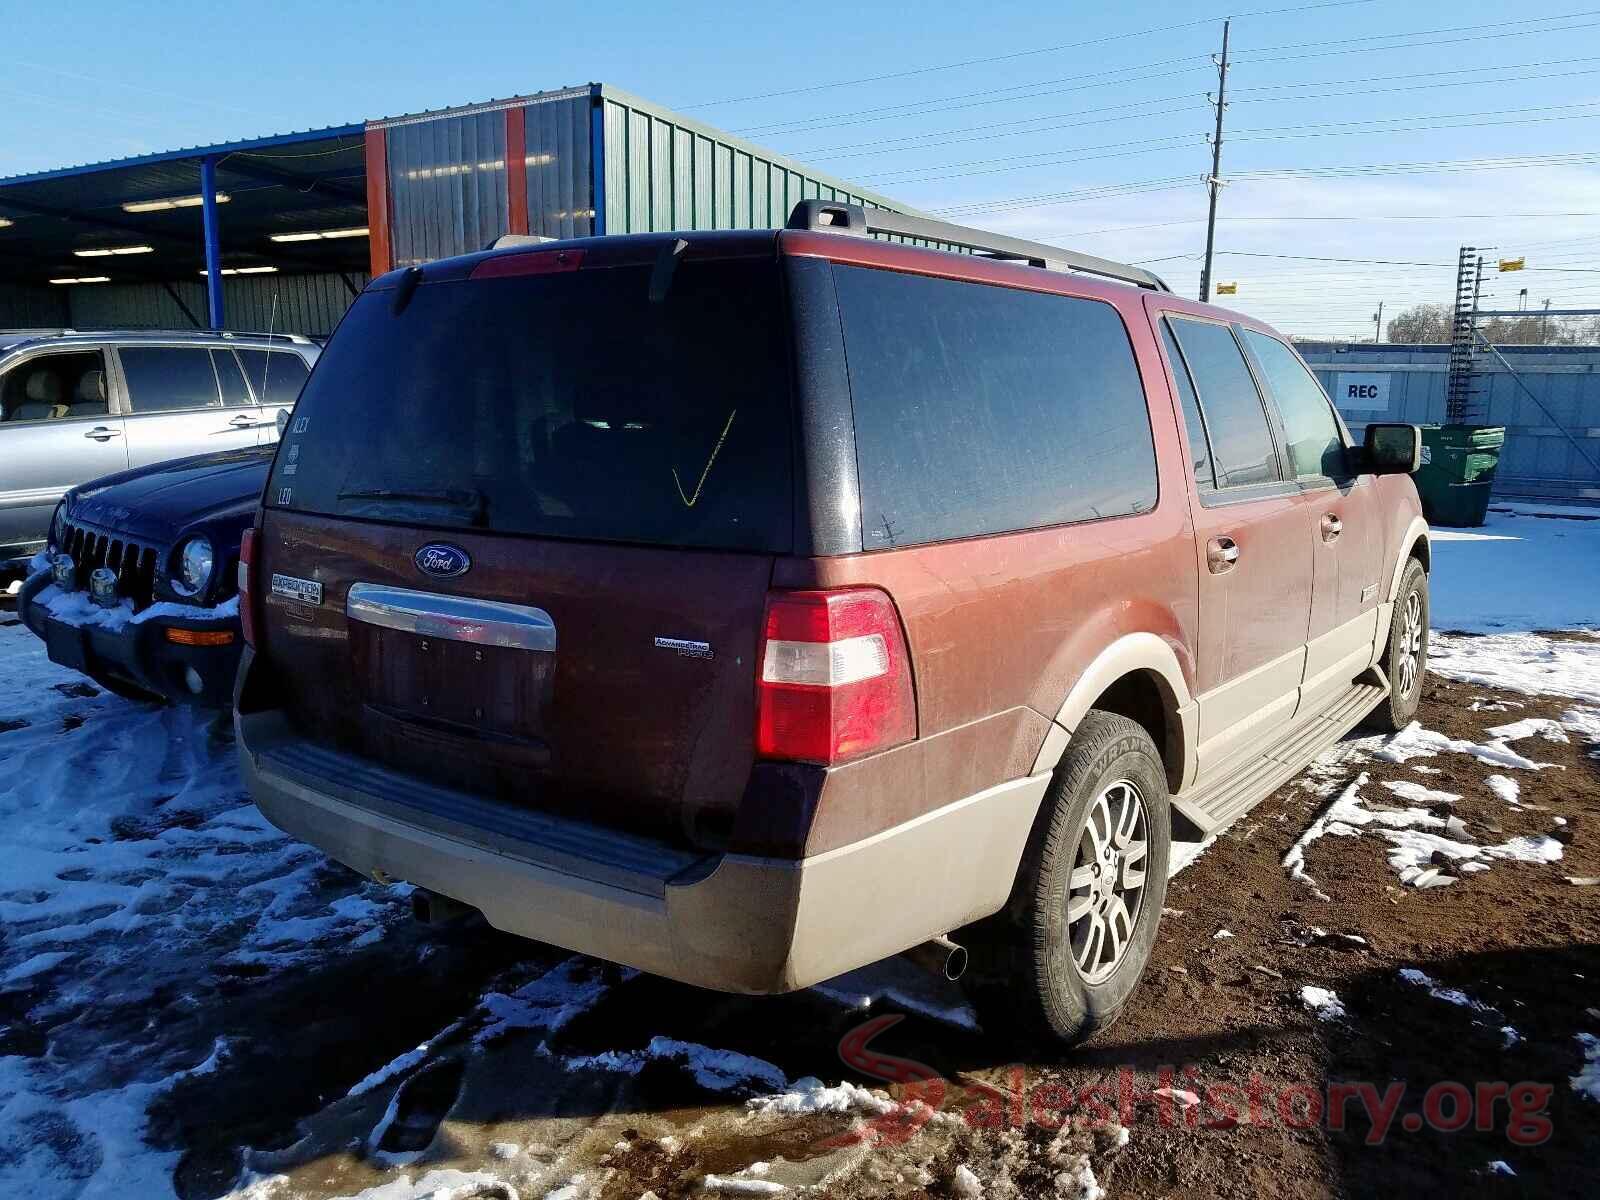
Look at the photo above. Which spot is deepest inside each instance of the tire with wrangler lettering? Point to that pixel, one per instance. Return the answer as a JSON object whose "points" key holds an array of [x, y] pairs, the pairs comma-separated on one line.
{"points": [[1062, 958]]}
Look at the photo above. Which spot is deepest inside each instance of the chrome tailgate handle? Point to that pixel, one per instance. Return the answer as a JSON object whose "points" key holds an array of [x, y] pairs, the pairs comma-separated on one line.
{"points": [[453, 618]]}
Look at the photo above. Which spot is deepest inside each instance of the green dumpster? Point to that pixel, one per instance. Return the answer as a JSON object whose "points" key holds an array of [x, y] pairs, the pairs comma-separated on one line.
{"points": [[1457, 471]]}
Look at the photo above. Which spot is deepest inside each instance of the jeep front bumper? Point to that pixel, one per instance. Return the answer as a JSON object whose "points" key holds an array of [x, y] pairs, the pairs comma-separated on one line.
{"points": [[139, 651]]}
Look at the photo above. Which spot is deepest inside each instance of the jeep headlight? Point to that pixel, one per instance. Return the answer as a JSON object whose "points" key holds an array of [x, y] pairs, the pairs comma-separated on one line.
{"points": [[195, 562], [58, 528]]}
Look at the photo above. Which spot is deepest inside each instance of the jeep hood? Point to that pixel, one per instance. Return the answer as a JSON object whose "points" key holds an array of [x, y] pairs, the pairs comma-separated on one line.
{"points": [[156, 503]]}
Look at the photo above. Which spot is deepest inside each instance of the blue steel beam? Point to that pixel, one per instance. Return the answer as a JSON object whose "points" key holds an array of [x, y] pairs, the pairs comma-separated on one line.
{"points": [[208, 208]]}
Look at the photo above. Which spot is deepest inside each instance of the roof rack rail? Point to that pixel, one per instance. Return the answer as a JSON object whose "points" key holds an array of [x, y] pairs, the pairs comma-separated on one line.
{"points": [[864, 222], [294, 339]]}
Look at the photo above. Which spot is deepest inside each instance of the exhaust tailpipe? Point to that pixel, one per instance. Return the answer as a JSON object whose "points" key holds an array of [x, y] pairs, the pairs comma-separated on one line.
{"points": [[941, 956], [430, 908]]}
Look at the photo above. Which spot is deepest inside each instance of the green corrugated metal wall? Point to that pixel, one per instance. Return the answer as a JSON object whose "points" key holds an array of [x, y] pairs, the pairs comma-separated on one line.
{"points": [[23, 306], [309, 304], [592, 152], [664, 171]]}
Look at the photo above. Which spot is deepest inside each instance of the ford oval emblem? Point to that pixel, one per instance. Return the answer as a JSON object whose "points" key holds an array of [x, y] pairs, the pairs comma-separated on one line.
{"points": [[442, 561]]}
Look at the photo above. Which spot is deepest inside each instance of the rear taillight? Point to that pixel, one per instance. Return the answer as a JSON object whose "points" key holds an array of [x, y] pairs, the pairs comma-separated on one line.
{"points": [[835, 678], [247, 601]]}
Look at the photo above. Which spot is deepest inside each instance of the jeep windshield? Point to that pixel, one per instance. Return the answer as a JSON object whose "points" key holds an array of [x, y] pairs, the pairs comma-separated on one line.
{"points": [[568, 404]]}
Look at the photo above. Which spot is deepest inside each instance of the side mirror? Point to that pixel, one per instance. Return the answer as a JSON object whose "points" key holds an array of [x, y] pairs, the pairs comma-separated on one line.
{"points": [[282, 422], [1392, 449]]}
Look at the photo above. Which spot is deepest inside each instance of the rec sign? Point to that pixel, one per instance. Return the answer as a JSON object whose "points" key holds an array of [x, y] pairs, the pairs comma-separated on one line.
{"points": [[1367, 391]]}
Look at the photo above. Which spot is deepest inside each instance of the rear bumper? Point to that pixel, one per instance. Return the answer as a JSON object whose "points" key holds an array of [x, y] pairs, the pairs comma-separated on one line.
{"points": [[734, 923], [140, 654]]}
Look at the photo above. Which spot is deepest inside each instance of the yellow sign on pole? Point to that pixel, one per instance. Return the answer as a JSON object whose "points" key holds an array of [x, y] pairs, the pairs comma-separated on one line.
{"points": [[1512, 264], [1227, 289]]}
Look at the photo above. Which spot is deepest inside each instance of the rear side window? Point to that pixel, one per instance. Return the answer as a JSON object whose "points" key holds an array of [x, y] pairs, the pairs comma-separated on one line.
{"points": [[566, 404], [1199, 445], [276, 376], [1241, 442], [161, 379], [983, 409], [1316, 449], [229, 378]]}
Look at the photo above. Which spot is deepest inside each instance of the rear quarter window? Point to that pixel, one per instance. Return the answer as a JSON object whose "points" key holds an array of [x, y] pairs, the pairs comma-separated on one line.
{"points": [[276, 376], [982, 409]]}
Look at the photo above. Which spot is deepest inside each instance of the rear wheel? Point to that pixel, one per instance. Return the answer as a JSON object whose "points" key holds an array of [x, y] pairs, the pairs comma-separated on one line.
{"points": [[1064, 956], [1405, 660]]}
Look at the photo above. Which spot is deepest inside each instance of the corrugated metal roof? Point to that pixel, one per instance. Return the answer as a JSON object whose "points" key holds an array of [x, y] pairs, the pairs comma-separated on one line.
{"points": [[188, 152], [481, 106], [284, 184]]}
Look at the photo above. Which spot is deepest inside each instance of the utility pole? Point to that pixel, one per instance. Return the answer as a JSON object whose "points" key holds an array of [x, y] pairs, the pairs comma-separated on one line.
{"points": [[1215, 181], [1377, 324], [1544, 325]]}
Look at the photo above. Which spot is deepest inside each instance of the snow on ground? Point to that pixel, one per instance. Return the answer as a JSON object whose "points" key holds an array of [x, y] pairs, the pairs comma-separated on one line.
{"points": [[1323, 1002], [1521, 662], [1417, 837], [1587, 1080], [1518, 571], [137, 873], [1416, 742], [135, 870]]}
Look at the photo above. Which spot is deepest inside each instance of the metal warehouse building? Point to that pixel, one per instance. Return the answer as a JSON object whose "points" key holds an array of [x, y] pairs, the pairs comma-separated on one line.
{"points": [[282, 232]]}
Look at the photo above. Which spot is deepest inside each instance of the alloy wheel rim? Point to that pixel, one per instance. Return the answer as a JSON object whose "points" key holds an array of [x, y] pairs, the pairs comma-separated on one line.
{"points": [[1105, 892], [1411, 644]]}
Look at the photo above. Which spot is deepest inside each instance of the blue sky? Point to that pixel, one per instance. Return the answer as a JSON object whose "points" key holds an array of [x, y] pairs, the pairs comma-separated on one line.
{"points": [[1087, 126]]}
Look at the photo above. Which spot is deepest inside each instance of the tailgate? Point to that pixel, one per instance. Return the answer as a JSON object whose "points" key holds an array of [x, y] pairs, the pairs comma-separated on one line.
{"points": [[533, 505], [609, 682]]}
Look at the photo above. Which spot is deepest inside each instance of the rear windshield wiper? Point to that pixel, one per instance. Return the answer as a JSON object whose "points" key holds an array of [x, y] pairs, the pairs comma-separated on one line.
{"points": [[473, 500]]}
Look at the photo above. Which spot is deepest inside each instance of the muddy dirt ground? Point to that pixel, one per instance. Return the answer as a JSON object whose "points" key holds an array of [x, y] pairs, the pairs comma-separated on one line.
{"points": [[573, 1079]]}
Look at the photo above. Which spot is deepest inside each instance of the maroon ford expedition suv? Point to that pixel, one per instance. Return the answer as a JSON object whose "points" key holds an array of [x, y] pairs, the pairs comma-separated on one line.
{"points": [[747, 607]]}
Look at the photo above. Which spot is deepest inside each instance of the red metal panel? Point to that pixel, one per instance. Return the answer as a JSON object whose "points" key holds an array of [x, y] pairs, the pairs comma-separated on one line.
{"points": [[517, 169], [378, 200]]}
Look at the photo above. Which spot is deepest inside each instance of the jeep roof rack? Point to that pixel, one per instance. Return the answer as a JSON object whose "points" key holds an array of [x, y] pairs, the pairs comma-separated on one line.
{"points": [[854, 219]]}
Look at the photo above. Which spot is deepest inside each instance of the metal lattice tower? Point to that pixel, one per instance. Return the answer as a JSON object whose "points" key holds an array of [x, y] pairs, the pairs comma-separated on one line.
{"points": [[1460, 389]]}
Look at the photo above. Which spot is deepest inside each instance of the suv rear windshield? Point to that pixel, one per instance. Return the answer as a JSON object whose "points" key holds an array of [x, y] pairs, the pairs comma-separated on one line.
{"points": [[562, 405]]}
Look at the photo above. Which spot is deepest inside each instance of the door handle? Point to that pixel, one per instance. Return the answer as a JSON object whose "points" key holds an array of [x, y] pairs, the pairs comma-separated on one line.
{"points": [[101, 433], [1221, 554], [243, 422], [1332, 527]]}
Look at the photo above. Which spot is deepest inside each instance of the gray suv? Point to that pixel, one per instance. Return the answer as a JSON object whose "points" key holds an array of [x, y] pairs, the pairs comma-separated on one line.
{"points": [[75, 406]]}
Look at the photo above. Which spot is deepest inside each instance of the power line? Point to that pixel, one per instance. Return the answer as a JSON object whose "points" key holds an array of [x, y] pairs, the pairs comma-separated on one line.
{"points": [[989, 132], [1019, 91], [1001, 129], [1524, 216], [1484, 37], [1352, 170], [1408, 75], [989, 96], [1376, 125], [1011, 56], [1385, 262], [1380, 37]]}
